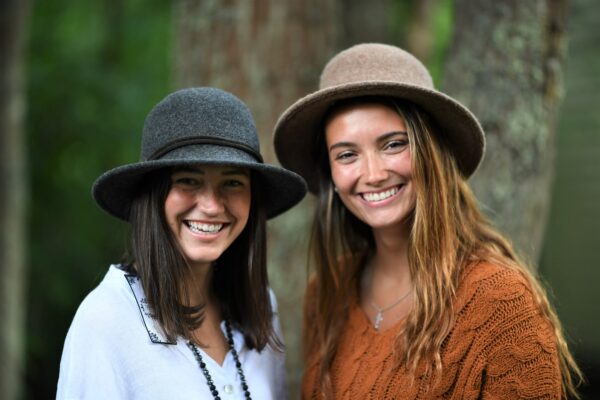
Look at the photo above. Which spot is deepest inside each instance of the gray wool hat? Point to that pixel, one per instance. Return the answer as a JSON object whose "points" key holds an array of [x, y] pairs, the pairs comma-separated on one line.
{"points": [[198, 126], [373, 69]]}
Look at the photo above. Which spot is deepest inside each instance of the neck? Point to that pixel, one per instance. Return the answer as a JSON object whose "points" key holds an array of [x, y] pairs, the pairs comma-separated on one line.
{"points": [[390, 260], [200, 293], [386, 281], [199, 284]]}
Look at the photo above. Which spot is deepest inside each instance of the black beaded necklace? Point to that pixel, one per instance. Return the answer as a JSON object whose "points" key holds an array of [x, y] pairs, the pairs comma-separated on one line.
{"points": [[238, 365]]}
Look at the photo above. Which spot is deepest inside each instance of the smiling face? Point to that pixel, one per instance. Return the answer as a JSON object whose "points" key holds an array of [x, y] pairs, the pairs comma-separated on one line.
{"points": [[370, 163], [207, 208]]}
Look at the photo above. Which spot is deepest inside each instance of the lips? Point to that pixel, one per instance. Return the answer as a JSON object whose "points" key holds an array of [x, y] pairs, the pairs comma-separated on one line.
{"points": [[201, 227], [372, 197]]}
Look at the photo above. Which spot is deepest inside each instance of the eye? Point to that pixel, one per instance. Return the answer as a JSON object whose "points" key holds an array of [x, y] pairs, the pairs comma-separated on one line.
{"points": [[395, 145], [236, 182], [345, 156], [233, 183], [186, 181]]}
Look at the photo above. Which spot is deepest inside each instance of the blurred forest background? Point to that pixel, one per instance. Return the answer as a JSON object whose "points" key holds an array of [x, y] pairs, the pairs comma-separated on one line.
{"points": [[77, 79]]}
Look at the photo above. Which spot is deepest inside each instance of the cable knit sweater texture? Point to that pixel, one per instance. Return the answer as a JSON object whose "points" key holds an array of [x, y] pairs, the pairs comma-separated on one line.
{"points": [[500, 347]]}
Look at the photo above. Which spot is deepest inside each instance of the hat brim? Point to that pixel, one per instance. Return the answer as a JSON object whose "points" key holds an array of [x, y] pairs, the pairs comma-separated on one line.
{"points": [[298, 128], [115, 189]]}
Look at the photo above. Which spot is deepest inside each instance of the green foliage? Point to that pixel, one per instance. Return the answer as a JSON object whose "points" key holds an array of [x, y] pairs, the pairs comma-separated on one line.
{"points": [[569, 261], [94, 71], [442, 22], [442, 18]]}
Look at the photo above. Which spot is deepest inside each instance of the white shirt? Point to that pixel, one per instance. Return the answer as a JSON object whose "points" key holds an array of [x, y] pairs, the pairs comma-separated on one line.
{"points": [[115, 350]]}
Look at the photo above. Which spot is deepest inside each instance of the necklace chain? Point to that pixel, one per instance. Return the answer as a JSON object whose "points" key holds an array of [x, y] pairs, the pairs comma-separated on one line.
{"points": [[380, 311], [238, 365]]}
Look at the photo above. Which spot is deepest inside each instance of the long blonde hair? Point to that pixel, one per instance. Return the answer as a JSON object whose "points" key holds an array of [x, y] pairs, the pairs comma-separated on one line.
{"points": [[448, 233]]}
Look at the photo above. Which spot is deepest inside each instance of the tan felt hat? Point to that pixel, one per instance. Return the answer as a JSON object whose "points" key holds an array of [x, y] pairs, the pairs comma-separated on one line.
{"points": [[374, 69]]}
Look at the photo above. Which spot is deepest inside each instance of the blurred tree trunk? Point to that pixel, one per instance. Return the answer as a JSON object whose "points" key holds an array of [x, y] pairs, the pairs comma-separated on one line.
{"points": [[419, 36], [364, 22], [269, 53], [505, 63], [12, 197]]}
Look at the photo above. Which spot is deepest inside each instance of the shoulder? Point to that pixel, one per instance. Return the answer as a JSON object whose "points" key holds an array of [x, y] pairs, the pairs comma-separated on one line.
{"points": [[98, 338], [489, 272], [106, 308], [491, 283], [496, 296], [501, 307], [108, 296], [500, 326]]}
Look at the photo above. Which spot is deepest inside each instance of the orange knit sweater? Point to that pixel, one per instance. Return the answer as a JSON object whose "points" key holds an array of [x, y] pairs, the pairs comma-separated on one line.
{"points": [[500, 347]]}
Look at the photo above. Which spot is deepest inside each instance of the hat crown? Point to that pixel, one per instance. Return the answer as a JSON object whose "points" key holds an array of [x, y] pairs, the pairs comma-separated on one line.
{"points": [[374, 62], [197, 115]]}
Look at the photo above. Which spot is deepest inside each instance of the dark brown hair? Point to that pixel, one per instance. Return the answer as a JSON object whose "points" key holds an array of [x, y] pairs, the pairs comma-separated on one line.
{"points": [[239, 283]]}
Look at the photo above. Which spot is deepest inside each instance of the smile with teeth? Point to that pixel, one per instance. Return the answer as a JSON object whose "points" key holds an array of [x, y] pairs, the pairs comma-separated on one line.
{"points": [[203, 227], [379, 196]]}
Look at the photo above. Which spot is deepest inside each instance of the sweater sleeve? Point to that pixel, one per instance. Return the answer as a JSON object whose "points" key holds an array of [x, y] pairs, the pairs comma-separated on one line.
{"points": [[517, 342]]}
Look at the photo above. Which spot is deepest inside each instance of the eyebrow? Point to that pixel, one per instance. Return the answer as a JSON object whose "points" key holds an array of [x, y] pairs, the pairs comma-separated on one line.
{"points": [[381, 138]]}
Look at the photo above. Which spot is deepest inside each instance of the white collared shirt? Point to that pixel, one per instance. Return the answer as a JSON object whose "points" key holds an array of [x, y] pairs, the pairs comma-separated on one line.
{"points": [[115, 350]]}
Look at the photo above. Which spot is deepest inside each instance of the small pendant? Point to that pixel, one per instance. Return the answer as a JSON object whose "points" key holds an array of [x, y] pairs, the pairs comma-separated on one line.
{"points": [[378, 319]]}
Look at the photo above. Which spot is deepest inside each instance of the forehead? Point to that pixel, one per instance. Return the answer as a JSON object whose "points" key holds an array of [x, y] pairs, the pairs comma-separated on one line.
{"points": [[359, 119], [359, 103]]}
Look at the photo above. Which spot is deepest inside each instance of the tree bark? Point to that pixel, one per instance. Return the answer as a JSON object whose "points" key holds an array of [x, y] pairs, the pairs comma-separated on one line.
{"points": [[505, 63], [364, 22], [13, 195], [269, 53], [419, 37]]}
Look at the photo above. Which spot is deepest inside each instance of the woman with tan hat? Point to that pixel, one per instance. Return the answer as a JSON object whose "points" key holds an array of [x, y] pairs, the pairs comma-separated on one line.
{"points": [[189, 315], [415, 294]]}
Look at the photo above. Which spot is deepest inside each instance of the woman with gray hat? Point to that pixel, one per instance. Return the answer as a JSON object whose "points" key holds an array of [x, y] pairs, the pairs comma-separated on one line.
{"points": [[415, 294], [190, 313]]}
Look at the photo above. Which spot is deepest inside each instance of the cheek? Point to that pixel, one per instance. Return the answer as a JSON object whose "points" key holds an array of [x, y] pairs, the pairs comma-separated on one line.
{"points": [[413, 198], [404, 163], [174, 203], [343, 176], [240, 204]]}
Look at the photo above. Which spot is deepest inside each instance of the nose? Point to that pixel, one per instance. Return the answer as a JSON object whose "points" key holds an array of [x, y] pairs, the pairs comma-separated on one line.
{"points": [[374, 169], [210, 202]]}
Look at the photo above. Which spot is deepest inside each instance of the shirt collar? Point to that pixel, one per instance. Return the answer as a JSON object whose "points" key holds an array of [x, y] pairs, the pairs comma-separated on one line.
{"points": [[152, 326]]}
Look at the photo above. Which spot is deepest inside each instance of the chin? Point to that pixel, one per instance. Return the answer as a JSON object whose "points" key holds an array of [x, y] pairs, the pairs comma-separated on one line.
{"points": [[202, 259], [388, 223]]}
